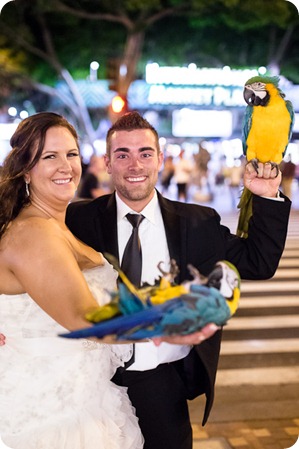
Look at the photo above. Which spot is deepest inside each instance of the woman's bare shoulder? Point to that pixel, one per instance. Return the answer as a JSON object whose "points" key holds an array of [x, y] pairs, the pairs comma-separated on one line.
{"points": [[32, 235]]}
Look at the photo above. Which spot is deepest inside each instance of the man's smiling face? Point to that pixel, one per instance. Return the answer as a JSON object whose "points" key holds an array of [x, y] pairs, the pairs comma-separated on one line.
{"points": [[134, 164]]}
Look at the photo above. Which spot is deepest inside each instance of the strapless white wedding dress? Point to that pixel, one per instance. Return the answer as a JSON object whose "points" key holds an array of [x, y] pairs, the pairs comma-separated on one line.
{"points": [[56, 393]]}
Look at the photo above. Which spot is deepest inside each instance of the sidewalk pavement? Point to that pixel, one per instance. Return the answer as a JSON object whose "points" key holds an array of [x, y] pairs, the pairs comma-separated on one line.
{"points": [[262, 434]]}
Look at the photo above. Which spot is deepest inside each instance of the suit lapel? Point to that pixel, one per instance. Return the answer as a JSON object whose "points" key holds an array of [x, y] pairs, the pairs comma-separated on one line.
{"points": [[106, 224], [175, 228]]}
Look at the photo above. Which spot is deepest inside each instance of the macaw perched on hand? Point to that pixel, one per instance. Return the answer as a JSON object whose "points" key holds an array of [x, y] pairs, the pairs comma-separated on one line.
{"points": [[267, 129], [194, 307]]}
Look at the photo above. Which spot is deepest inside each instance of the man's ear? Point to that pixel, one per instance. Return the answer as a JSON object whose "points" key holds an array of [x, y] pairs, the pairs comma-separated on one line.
{"points": [[161, 159], [107, 163]]}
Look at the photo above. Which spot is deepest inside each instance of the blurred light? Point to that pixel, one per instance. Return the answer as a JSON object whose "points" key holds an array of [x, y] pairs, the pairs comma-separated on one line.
{"points": [[201, 123], [100, 146], [94, 65], [93, 72], [173, 149], [262, 70], [6, 131], [86, 152], [24, 114], [293, 151], [12, 111], [123, 70], [296, 123], [152, 117], [118, 104]]}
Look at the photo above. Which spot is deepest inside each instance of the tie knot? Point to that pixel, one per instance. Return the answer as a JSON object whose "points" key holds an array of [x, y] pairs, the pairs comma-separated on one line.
{"points": [[135, 219]]}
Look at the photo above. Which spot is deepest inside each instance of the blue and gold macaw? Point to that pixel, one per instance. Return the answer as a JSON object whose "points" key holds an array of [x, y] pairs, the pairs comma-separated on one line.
{"points": [[267, 129], [168, 310]]}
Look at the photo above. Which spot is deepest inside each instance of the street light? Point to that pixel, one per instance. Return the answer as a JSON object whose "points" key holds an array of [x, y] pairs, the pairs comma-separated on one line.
{"points": [[93, 70], [118, 104]]}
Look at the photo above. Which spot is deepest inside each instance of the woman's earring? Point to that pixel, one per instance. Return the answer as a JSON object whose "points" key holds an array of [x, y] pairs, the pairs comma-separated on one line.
{"points": [[27, 188]]}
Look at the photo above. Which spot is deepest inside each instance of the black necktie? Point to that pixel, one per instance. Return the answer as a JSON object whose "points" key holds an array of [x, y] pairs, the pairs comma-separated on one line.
{"points": [[132, 258]]}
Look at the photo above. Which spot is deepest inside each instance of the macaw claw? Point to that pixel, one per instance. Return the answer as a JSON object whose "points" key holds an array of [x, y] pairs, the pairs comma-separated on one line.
{"points": [[255, 164], [274, 166]]}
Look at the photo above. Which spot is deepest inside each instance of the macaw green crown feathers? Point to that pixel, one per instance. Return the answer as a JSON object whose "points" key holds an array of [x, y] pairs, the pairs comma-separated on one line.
{"points": [[264, 79]]}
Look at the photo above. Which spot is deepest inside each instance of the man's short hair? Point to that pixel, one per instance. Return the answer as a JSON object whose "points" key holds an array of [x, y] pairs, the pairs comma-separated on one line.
{"points": [[130, 122]]}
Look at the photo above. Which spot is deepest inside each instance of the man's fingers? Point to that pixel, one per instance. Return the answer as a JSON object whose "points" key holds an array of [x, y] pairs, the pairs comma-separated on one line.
{"points": [[192, 339]]}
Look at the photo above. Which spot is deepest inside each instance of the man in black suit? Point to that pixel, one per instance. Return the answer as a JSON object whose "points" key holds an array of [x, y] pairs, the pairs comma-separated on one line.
{"points": [[163, 377]]}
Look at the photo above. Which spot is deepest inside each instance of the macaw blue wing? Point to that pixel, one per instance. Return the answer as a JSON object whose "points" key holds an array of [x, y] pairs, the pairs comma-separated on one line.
{"points": [[246, 125], [119, 325]]}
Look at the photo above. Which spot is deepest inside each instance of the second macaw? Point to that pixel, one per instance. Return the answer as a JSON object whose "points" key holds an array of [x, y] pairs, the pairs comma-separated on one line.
{"points": [[169, 311]]}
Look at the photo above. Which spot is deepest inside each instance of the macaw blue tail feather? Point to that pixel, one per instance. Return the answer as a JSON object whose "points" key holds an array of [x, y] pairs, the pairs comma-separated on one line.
{"points": [[118, 325]]}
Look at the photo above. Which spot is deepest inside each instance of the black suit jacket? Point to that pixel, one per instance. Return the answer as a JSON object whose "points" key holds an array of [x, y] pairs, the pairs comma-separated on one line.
{"points": [[195, 236]]}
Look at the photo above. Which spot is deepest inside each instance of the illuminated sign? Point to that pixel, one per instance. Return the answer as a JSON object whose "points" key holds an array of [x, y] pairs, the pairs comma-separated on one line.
{"points": [[192, 75], [192, 123], [216, 96], [197, 86]]}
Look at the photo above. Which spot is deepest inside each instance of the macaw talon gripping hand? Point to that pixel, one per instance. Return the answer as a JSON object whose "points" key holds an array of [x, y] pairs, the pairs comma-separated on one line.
{"points": [[184, 310], [275, 167], [255, 163]]}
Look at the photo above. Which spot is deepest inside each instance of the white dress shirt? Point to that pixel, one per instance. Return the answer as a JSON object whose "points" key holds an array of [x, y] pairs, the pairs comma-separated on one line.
{"points": [[154, 250]]}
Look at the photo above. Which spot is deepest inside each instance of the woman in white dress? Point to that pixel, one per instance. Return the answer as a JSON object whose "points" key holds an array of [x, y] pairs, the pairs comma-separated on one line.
{"points": [[54, 393]]}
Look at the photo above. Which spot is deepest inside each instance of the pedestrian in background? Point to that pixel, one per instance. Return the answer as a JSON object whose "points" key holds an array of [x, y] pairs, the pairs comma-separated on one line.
{"points": [[90, 185], [288, 169], [167, 173], [182, 175]]}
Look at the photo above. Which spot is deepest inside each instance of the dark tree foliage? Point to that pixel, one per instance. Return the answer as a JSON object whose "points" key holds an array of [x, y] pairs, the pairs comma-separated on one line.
{"points": [[43, 42]]}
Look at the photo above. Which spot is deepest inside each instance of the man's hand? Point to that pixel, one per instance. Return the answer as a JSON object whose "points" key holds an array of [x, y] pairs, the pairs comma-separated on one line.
{"points": [[265, 182], [192, 339], [2, 340]]}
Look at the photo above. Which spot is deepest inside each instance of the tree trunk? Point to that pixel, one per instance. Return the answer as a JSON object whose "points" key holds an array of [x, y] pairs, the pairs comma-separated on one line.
{"points": [[129, 61]]}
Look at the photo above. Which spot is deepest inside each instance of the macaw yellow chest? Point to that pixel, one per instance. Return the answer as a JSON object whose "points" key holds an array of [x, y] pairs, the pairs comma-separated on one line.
{"points": [[269, 132]]}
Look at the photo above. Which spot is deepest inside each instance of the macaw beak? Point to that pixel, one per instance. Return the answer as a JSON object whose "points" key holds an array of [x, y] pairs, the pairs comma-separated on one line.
{"points": [[249, 96], [254, 100]]}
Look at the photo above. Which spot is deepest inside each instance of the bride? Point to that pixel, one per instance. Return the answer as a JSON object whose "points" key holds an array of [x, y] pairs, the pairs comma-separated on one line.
{"points": [[54, 393]]}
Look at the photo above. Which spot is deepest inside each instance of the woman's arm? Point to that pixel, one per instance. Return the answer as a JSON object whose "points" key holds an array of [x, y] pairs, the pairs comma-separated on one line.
{"points": [[45, 264]]}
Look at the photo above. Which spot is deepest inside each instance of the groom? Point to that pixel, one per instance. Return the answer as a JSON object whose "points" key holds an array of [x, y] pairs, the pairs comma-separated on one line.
{"points": [[162, 378]]}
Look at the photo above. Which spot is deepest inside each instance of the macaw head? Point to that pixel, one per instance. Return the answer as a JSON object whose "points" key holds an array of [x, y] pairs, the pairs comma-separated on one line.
{"points": [[255, 91], [226, 278]]}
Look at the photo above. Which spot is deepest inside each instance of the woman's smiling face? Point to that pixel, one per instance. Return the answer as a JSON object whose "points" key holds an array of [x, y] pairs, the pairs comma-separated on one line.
{"points": [[55, 177]]}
